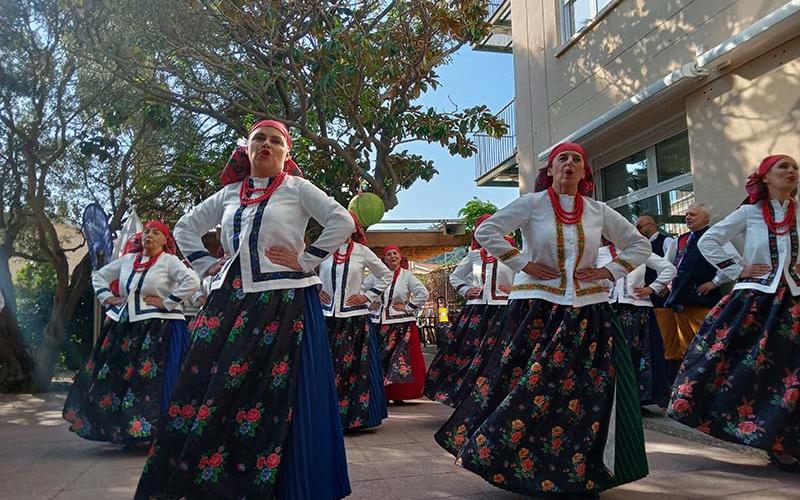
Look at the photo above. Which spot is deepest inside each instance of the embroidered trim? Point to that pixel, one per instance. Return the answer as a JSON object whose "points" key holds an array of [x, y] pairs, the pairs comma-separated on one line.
{"points": [[793, 254], [342, 307], [511, 253], [102, 290], [591, 290], [412, 306], [726, 264], [175, 299], [375, 291], [459, 287], [624, 263], [536, 286], [773, 257], [317, 252], [197, 255]]}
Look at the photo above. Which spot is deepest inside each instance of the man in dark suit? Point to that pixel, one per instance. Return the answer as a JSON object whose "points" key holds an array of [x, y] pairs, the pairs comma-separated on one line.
{"points": [[695, 290]]}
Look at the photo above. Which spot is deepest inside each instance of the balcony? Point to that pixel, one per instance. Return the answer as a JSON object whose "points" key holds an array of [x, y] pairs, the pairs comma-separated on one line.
{"points": [[496, 161], [499, 38]]}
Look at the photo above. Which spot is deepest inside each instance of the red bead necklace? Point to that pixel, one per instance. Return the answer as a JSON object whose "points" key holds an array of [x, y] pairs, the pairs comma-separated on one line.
{"points": [[486, 257], [139, 266], [562, 215], [246, 192], [339, 258], [788, 222]]}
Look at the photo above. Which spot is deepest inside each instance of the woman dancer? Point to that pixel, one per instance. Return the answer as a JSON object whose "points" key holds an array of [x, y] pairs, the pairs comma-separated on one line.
{"points": [[345, 304], [485, 283], [740, 379], [401, 353], [121, 395], [630, 299], [556, 410], [254, 412]]}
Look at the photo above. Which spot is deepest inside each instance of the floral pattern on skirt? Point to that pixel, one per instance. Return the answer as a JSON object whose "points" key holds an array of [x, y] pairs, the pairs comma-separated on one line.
{"points": [[395, 353], [117, 396], [229, 422], [349, 341], [538, 416], [647, 350], [740, 379], [469, 340]]}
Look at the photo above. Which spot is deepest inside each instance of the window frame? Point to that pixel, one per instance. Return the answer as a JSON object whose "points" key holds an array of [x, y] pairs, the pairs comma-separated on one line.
{"points": [[568, 34]]}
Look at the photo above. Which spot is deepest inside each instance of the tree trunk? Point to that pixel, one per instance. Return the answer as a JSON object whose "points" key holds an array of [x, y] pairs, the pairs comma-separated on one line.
{"points": [[16, 364]]}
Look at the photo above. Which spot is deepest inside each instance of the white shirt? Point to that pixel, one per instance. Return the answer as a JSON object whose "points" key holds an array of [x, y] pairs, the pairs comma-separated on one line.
{"points": [[622, 291], [341, 281], [472, 271], [247, 231], [561, 246], [406, 289], [168, 279], [667, 243], [760, 247]]}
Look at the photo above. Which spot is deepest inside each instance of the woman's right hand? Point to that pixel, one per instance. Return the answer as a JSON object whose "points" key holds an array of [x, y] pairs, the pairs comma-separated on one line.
{"points": [[324, 297], [754, 270], [215, 268], [114, 301], [541, 271]]}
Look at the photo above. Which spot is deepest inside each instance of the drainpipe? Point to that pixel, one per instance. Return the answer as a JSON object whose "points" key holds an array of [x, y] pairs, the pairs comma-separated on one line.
{"points": [[695, 69]]}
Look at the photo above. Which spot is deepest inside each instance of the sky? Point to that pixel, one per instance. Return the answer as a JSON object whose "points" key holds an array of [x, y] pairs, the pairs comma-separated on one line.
{"points": [[471, 78]]}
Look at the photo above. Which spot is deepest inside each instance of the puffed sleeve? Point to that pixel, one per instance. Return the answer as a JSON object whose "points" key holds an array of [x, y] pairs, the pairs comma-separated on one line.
{"points": [[491, 233], [419, 294], [192, 226], [337, 224], [102, 278], [460, 278], [381, 274], [716, 247], [186, 283], [633, 249], [666, 272]]}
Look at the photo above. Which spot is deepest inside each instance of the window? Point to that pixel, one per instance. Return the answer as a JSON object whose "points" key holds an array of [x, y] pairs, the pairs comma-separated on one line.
{"points": [[577, 14], [655, 181]]}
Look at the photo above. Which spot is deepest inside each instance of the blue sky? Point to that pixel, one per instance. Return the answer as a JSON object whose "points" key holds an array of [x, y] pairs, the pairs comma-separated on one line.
{"points": [[471, 78]]}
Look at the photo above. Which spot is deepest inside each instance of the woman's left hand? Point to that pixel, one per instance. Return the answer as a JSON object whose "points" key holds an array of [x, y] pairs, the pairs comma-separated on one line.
{"points": [[505, 288], [283, 257], [594, 274], [154, 300], [356, 300]]}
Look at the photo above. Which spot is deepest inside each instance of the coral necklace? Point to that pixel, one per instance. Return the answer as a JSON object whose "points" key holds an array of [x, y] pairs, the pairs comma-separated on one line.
{"points": [[788, 222], [339, 258], [139, 266], [246, 192], [562, 215]]}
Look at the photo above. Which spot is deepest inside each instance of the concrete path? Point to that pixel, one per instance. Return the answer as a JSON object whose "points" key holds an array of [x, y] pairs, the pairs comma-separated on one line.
{"points": [[42, 460]]}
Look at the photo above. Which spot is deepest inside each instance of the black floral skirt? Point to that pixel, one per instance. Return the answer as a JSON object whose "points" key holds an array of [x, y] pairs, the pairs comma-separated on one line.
{"points": [[454, 368], [647, 351], [254, 412], [120, 394], [740, 379], [540, 414], [402, 361], [359, 384]]}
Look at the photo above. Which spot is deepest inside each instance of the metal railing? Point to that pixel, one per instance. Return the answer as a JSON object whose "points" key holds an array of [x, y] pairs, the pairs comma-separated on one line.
{"points": [[493, 6], [493, 151]]}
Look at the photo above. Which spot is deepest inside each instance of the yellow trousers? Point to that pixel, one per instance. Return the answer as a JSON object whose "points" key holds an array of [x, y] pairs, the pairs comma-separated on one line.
{"points": [[679, 328]]}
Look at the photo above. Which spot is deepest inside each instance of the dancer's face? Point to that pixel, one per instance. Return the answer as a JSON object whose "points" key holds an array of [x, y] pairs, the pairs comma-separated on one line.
{"points": [[782, 177], [392, 258], [153, 241], [567, 170], [267, 150]]}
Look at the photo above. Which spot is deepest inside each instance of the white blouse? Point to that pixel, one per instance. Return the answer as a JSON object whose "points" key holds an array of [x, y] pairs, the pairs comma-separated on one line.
{"points": [[565, 247], [168, 279], [760, 247], [341, 281], [622, 291], [248, 230], [406, 289], [472, 271]]}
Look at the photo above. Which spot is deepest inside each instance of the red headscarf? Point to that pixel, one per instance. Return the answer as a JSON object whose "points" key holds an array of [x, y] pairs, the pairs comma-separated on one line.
{"points": [[164, 229], [478, 222], [755, 187], [403, 259], [359, 235], [238, 166], [585, 185]]}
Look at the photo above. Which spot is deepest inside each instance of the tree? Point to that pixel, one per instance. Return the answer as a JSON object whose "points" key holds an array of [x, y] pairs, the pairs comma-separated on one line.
{"points": [[473, 209], [344, 74]]}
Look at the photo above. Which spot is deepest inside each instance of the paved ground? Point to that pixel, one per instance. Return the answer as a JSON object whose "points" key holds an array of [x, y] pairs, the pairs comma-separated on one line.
{"points": [[400, 460]]}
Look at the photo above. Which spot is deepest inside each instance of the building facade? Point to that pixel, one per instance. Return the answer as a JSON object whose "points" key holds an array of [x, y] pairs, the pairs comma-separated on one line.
{"points": [[675, 101]]}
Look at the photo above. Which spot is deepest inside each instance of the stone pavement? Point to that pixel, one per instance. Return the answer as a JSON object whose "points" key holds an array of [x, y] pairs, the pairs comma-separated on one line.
{"points": [[42, 460]]}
